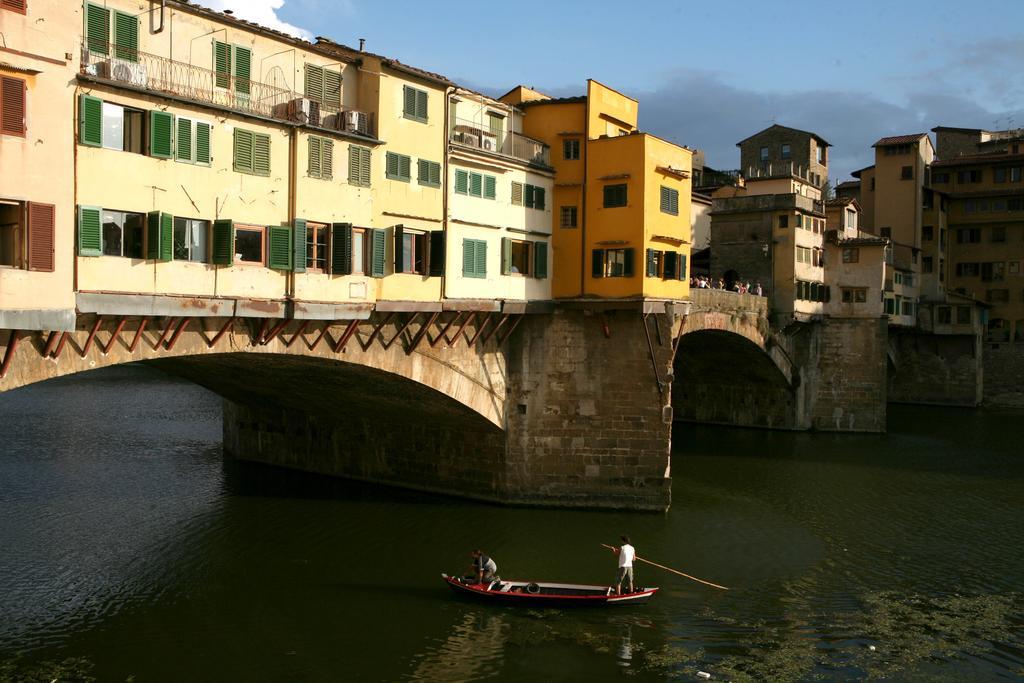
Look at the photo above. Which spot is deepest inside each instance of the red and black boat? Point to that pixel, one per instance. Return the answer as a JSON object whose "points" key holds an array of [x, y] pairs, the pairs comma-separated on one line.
{"points": [[539, 594]]}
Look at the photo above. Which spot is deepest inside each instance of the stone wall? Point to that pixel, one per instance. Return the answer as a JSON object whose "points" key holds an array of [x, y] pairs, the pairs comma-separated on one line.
{"points": [[846, 374], [1004, 374], [935, 369]]}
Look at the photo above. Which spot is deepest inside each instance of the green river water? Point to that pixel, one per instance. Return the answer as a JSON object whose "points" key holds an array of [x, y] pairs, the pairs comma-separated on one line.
{"points": [[129, 549]]}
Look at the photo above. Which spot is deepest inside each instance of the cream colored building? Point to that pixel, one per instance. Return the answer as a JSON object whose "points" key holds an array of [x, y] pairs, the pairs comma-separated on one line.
{"points": [[500, 188]]}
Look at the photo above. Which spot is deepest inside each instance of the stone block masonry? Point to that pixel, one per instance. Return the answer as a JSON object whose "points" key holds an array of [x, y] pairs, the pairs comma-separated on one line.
{"points": [[1004, 374], [934, 369], [849, 375]]}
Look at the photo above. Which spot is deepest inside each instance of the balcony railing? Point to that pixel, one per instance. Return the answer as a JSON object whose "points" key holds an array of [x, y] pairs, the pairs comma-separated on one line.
{"points": [[162, 75], [776, 169], [476, 134]]}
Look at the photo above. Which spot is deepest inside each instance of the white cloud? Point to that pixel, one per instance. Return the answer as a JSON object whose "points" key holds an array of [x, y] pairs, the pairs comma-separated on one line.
{"points": [[263, 12]]}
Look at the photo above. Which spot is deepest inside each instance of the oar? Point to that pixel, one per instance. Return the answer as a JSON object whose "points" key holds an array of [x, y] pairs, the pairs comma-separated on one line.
{"points": [[669, 569]]}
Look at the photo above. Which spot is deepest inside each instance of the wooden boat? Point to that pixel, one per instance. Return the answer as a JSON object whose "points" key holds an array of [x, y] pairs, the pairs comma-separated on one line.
{"points": [[539, 594]]}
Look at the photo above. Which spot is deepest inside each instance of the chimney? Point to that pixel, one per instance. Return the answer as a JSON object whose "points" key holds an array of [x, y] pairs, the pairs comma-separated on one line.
{"points": [[362, 44]]}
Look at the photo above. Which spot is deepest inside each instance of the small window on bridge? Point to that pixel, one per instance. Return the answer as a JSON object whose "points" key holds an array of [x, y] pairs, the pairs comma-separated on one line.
{"points": [[190, 239], [123, 233], [249, 247]]}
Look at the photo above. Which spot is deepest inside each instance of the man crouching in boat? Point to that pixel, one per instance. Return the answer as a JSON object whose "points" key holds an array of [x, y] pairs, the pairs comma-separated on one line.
{"points": [[484, 568], [626, 553]]}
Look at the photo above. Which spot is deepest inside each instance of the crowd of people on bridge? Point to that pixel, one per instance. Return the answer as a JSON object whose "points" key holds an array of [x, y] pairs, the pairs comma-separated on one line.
{"points": [[740, 287]]}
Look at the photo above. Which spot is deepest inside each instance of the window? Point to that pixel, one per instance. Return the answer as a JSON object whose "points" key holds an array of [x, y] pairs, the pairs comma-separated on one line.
{"points": [[323, 86], [398, 167], [123, 234], [358, 251], [803, 255], [15, 5], [1014, 205], [655, 262], [968, 235], [999, 234], [999, 175], [232, 63], [474, 258], [567, 217], [321, 158], [515, 257], [316, 246], [615, 196], [570, 150], [854, 295], [940, 178], [786, 152], [1015, 174], [784, 221], [97, 31], [252, 152], [249, 244], [851, 255], [1014, 268], [908, 307], [27, 235], [851, 219], [927, 265], [872, 184], [998, 330], [477, 184], [192, 144], [612, 262], [190, 239], [533, 197], [997, 296], [764, 154], [414, 104], [967, 270], [963, 315], [885, 232], [410, 250], [993, 271], [669, 200], [927, 233], [113, 126], [821, 154], [889, 306], [429, 173], [944, 315], [358, 166], [907, 173], [12, 106]]}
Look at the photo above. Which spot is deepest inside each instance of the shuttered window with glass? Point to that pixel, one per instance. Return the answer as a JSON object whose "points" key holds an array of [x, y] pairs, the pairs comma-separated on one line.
{"points": [[252, 152], [398, 167], [321, 158], [12, 106], [429, 173], [358, 166], [669, 200], [323, 85], [414, 103], [126, 37], [474, 258]]}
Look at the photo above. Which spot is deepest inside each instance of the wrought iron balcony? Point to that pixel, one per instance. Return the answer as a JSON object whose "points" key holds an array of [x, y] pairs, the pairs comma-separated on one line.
{"points": [[477, 135], [162, 75]]}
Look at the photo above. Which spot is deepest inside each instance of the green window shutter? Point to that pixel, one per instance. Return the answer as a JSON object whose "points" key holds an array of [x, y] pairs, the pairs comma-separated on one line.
{"points": [[517, 194], [203, 143], [358, 166], [378, 252], [468, 258], [90, 115], [664, 200], [404, 167], [682, 266], [461, 181], [341, 248], [423, 171], [652, 263], [279, 247], [506, 255], [475, 185], [490, 187], [540, 260], [299, 245], [480, 258], [421, 105], [538, 198], [314, 83], [314, 157], [223, 242], [437, 253], [161, 134], [528, 197], [408, 102], [364, 167], [184, 141], [221, 64], [435, 174], [97, 29], [243, 151], [126, 37], [393, 166], [629, 256], [243, 61], [159, 236], [597, 263], [261, 154], [326, 159], [674, 204], [332, 88], [90, 240], [671, 269]]}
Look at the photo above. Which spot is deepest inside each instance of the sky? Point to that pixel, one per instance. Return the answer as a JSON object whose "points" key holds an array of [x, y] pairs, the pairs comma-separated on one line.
{"points": [[709, 74]]}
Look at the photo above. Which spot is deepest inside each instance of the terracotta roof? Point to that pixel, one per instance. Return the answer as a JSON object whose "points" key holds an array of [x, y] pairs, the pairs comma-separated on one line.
{"points": [[840, 201], [795, 130], [555, 100], [848, 183], [863, 242], [856, 174], [985, 158], [899, 140], [351, 52], [936, 129]]}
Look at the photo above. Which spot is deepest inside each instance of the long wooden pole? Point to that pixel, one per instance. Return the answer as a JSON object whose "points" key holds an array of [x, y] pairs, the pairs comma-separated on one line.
{"points": [[669, 569]]}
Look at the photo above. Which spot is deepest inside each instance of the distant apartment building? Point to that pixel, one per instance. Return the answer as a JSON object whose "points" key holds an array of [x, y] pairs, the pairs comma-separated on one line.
{"points": [[770, 229], [621, 198], [857, 264]]}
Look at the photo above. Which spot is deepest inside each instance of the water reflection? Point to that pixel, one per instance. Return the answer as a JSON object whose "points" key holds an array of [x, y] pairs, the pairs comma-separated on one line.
{"points": [[473, 650]]}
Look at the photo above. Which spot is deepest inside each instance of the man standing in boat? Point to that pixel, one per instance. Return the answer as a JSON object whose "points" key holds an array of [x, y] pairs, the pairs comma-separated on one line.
{"points": [[626, 553], [484, 567]]}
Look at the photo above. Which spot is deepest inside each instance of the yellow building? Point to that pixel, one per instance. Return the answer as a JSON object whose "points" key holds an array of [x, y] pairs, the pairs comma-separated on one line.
{"points": [[621, 205], [37, 216]]}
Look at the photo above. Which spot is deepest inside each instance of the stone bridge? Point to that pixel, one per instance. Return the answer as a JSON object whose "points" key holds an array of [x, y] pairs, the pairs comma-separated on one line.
{"points": [[568, 404]]}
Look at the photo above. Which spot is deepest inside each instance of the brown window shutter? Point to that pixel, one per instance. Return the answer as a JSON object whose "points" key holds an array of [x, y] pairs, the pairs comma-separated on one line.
{"points": [[41, 221], [16, 5], [12, 106]]}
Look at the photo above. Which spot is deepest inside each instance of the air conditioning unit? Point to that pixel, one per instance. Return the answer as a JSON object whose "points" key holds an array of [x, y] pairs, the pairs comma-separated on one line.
{"points": [[471, 140], [356, 121], [128, 72], [489, 142], [306, 111]]}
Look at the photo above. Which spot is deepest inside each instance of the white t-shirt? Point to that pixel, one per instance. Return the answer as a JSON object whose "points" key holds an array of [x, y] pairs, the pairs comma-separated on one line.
{"points": [[626, 554]]}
